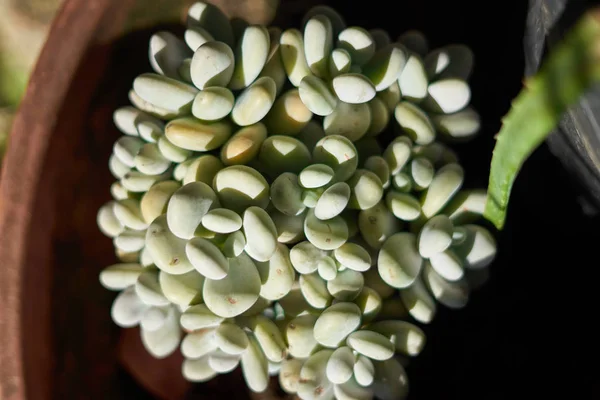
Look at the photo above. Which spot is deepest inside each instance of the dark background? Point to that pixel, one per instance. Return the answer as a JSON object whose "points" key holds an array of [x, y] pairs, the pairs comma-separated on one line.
{"points": [[529, 331]]}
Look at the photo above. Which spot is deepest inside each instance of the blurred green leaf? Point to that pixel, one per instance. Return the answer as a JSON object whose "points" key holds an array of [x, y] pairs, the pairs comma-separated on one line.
{"points": [[13, 81]]}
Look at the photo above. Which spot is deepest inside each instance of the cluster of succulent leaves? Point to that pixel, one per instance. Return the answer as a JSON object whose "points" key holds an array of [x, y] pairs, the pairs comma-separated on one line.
{"points": [[264, 219]]}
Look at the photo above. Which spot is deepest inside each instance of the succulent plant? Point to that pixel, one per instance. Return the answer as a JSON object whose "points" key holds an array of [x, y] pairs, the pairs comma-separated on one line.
{"points": [[261, 221]]}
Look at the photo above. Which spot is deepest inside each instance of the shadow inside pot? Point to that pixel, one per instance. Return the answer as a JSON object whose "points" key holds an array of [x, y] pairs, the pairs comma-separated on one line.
{"points": [[85, 338]]}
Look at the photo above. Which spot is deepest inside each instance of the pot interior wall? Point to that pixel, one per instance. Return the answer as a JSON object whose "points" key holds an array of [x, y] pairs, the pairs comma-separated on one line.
{"points": [[85, 338]]}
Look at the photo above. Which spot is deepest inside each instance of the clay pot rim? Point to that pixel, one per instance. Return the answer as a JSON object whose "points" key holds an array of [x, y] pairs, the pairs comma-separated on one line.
{"points": [[26, 373]]}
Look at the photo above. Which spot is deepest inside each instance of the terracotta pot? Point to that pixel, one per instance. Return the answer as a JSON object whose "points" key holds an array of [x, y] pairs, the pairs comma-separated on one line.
{"points": [[56, 336]]}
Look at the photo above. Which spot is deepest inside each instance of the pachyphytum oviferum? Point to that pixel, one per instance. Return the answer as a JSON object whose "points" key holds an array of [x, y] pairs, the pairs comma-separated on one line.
{"points": [[260, 220]]}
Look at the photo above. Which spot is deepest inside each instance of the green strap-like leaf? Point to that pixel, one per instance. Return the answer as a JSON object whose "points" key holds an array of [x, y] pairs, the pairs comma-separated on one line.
{"points": [[571, 68]]}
